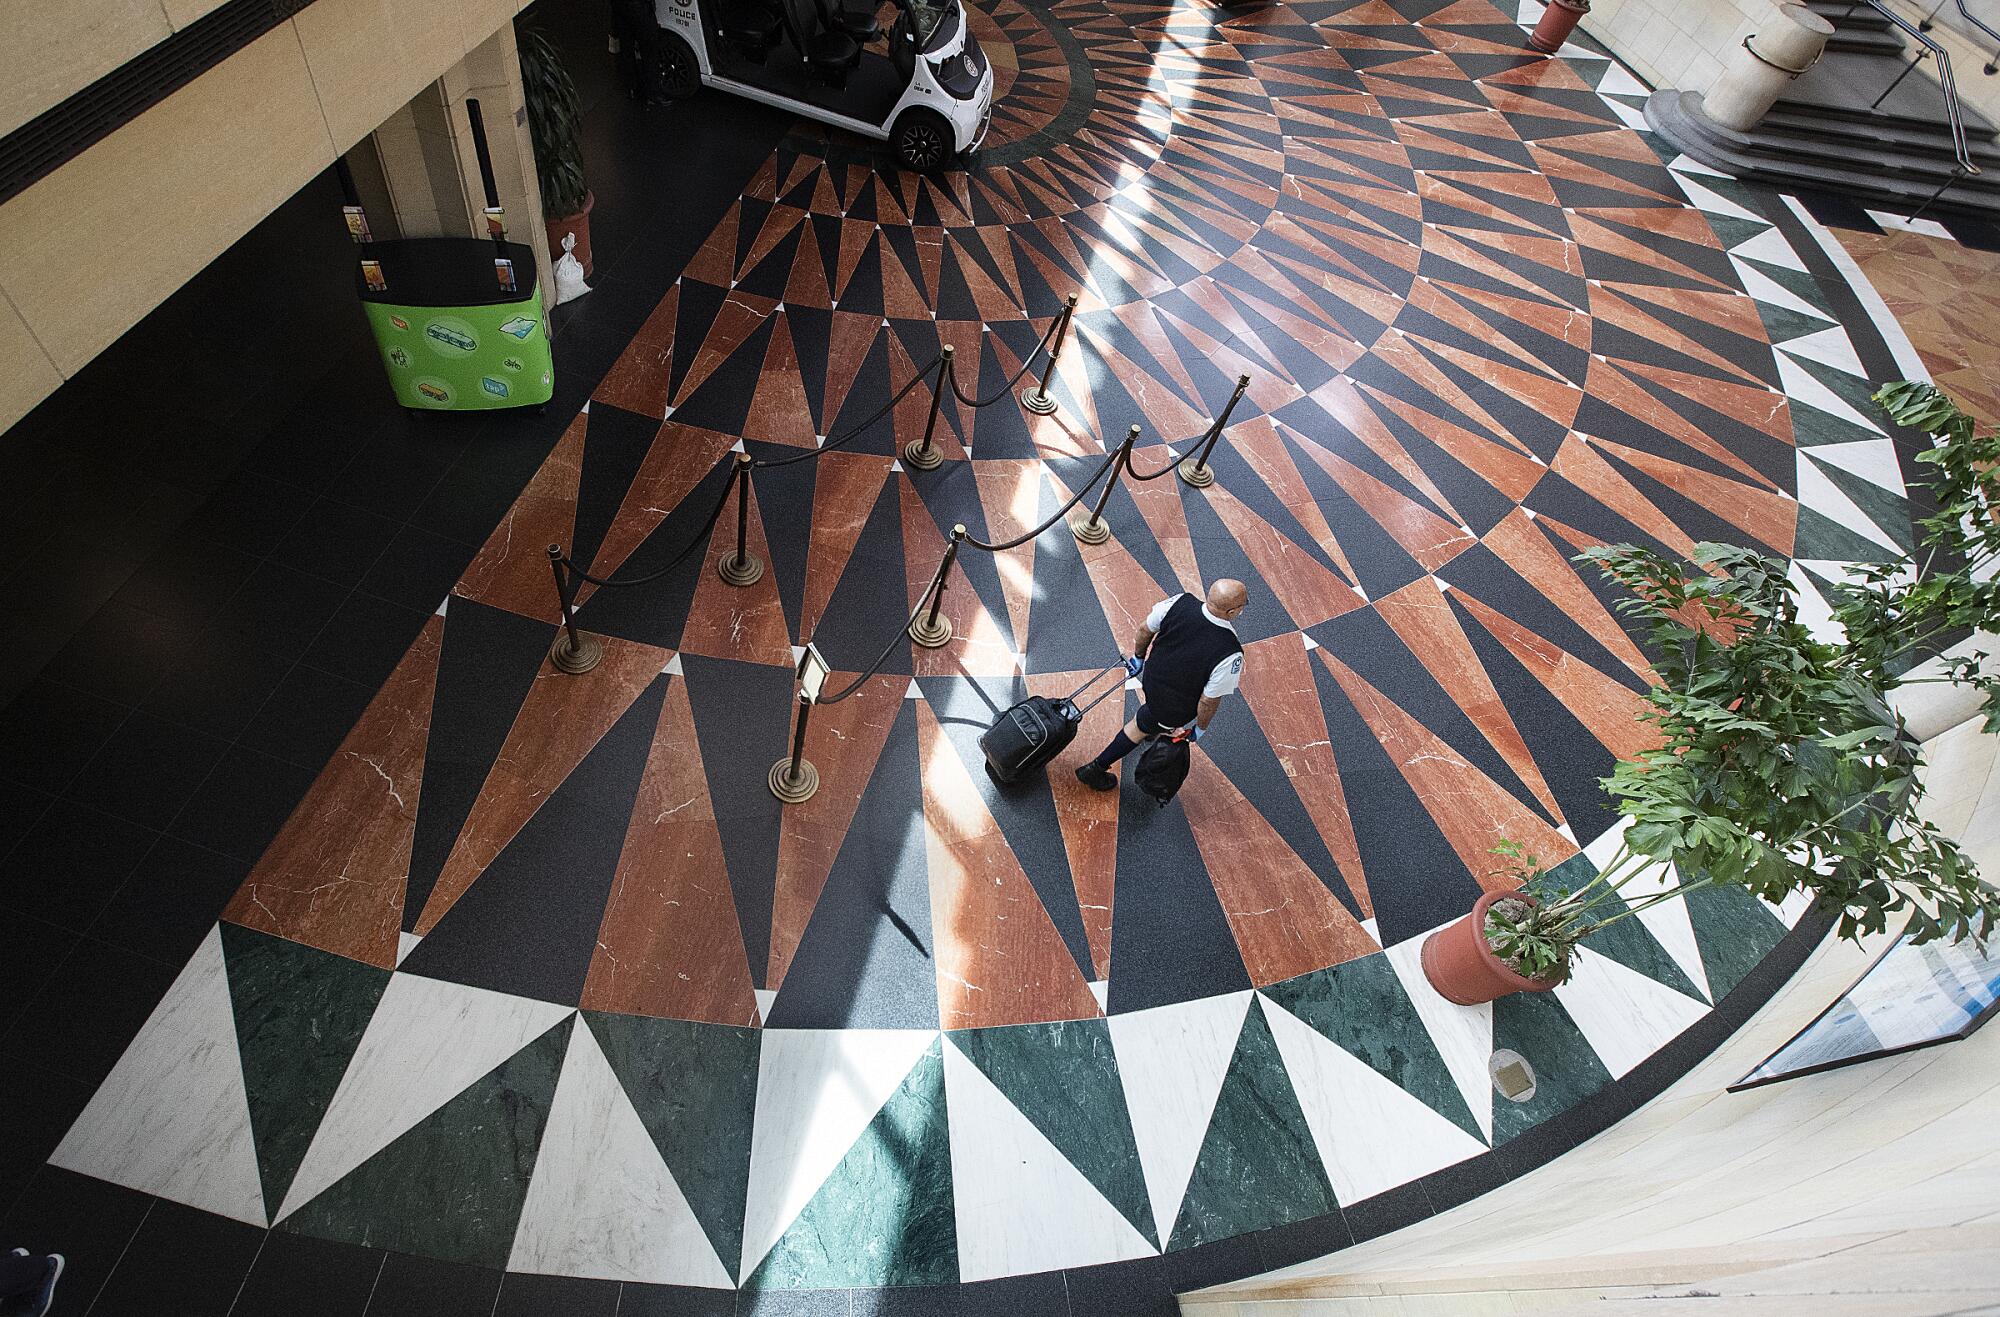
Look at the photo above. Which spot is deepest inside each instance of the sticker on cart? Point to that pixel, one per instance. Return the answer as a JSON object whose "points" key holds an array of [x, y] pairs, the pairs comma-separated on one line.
{"points": [[434, 392], [451, 337], [399, 357], [513, 363], [498, 388], [371, 275], [519, 327], [399, 322]]}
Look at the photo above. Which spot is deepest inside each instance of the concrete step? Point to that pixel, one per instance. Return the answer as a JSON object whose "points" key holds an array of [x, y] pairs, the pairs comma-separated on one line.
{"points": [[1845, 86], [1800, 123], [1851, 17]]}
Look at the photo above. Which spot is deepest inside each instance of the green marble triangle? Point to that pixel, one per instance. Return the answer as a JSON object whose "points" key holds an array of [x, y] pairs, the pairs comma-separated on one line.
{"points": [[1784, 323], [1731, 229], [1734, 931], [885, 1214], [1257, 1167], [1361, 1006], [1629, 942], [1890, 512], [1567, 1068], [300, 1014], [695, 1089], [1730, 189], [452, 1186], [1796, 282], [1822, 538], [1064, 1079]]}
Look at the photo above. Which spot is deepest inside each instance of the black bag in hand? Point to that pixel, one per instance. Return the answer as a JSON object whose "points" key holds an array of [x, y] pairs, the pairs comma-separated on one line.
{"points": [[1163, 766]]}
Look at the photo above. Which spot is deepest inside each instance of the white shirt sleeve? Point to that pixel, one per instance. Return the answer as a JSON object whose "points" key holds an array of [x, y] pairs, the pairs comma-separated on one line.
{"points": [[1159, 613], [1223, 680]]}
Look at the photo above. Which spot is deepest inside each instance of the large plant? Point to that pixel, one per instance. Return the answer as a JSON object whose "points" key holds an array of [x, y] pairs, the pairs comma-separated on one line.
{"points": [[554, 113], [1781, 768]]}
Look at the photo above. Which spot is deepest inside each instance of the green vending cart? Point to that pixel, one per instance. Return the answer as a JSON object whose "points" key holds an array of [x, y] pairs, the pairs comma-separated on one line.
{"points": [[453, 335]]}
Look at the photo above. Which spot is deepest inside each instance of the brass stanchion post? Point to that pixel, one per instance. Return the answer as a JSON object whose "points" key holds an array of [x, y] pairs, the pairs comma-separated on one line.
{"points": [[1093, 529], [1037, 399], [921, 454], [738, 566], [572, 651], [1195, 470], [932, 631], [793, 778]]}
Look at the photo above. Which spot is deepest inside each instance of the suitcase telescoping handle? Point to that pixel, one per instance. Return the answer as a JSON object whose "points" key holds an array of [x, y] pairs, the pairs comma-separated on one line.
{"points": [[1115, 663]]}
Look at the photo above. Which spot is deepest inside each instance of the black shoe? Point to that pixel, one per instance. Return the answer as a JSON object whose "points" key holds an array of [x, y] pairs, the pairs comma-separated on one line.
{"points": [[38, 1303], [1097, 779]]}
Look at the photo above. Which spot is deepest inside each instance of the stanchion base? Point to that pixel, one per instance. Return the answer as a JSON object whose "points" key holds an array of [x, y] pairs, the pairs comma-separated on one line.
{"points": [[922, 458], [931, 636], [1088, 531], [586, 654], [791, 789], [1041, 404], [747, 570], [1198, 476]]}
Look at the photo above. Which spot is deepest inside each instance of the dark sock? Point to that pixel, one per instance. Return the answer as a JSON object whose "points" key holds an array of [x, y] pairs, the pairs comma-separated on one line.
{"points": [[1121, 745]]}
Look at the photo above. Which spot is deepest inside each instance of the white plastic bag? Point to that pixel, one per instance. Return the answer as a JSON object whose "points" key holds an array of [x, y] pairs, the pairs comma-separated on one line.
{"points": [[569, 273]]}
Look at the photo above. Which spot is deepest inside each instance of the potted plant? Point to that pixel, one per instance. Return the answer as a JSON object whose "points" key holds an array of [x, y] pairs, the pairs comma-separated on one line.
{"points": [[1781, 769], [554, 114]]}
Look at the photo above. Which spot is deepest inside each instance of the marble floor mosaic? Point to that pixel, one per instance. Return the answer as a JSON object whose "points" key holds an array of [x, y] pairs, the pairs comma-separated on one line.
{"points": [[540, 977]]}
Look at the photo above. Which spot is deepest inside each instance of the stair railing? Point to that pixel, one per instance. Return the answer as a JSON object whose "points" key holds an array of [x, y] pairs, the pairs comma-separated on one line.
{"points": [[1930, 21], [1931, 49]]}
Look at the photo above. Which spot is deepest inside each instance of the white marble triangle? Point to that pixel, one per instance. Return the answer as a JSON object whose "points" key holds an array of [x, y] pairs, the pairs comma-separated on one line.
{"points": [[1815, 613], [673, 667], [1793, 907], [1623, 1014], [1667, 921], [426, 1043], [895, 464], [405, 944], [172, 1118], [443, 604], [1829, 347], [1765, 289], [1102, 991], [915, 692], [798, 652], [1630, 115], [817, 1089], [1172, 1060], [586, 401], [1022, 1207], [1706, 199], [1803, 387], [1618, 82], [1687, 164], [1874, 460], [1371, 1134], [1820, 494], [602, 1202], [1311, 644], [765, 997], [738, 447], [1373, 930], [1463, 1034], [1529, 13], [1903, 222], [1771, 248]]}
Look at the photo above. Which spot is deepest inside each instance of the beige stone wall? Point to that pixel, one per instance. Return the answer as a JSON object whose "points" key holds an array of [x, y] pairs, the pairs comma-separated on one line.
{"points": [[1871, 1190], [87, 251]]}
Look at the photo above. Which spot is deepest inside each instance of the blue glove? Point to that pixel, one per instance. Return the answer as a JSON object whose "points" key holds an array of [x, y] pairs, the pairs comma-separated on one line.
{"points": [[1196, 733], [1134, 666]]}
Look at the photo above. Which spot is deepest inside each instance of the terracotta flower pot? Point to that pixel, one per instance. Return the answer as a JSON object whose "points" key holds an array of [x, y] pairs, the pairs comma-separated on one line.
{"points": [[1557, 22], [579, 224], [1464, 969]]}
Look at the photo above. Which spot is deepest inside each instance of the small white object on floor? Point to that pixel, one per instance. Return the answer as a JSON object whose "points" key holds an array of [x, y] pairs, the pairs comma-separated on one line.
{"points": [[569, 273]]}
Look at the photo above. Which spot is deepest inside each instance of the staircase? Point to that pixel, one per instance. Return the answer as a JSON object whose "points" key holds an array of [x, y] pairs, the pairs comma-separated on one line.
{"points": [[1827, 133]]}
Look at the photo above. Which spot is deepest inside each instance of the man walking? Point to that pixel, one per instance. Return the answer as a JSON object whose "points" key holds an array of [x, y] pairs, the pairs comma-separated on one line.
{"points": [[1186, 657]]}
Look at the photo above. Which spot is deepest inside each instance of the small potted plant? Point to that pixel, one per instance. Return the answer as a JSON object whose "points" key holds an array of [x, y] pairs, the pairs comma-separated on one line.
{"points": [[1781, 768], [554, 115]]}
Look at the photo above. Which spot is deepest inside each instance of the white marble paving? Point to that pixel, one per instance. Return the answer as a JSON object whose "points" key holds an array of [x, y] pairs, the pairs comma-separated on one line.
{"points": [[1463, 1034], [1814, 612], [1668, 921], [1820, 494], [1874, 460], [426, 1043], [1021, 1206], [1771, 248], [1371, 1135], [1707, 199], [817, 1089], [172, 1117], [1802, 387], [1764, 288], [1172, 1060], [602, 1202], [1624, 1015], [1829, 347]]}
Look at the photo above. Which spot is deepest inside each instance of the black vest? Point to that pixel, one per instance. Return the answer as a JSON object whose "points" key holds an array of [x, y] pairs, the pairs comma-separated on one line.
{"points": [[1183, 656]]}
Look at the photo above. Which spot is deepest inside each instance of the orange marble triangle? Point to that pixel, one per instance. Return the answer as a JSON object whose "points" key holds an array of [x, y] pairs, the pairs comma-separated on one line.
{"points": [[639, 380], [511, 570]]}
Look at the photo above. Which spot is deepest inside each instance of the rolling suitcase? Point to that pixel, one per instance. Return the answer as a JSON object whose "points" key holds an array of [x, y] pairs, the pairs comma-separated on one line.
{"points": [[1035, 731]]}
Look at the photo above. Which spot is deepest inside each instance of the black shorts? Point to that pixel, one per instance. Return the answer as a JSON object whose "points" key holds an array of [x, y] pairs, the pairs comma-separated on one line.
{"points": [[1151, 724]]}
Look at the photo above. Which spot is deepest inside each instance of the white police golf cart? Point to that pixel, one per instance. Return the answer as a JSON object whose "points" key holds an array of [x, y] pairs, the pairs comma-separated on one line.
{"points": [[929, 95]]}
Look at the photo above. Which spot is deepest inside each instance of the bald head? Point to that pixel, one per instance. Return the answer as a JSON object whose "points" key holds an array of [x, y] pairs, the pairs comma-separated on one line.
{"points": [[1226, 598]]}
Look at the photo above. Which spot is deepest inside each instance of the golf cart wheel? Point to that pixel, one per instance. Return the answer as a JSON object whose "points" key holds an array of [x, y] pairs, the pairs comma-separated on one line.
{"points": [[680, 76], [921, 141]]}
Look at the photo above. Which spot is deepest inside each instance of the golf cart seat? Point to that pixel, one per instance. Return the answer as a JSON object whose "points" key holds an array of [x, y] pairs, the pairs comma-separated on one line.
{"points": [[857, 23], [829, 53], [751, 26]]}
